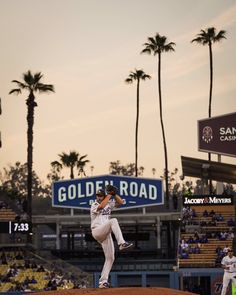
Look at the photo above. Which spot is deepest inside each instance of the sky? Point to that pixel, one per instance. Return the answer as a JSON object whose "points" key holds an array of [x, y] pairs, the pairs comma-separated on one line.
{"points": [[86, 49]]}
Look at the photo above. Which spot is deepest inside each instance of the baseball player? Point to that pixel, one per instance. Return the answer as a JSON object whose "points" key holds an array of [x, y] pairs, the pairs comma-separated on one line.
{"points": [[229, 265], [102, 225]]}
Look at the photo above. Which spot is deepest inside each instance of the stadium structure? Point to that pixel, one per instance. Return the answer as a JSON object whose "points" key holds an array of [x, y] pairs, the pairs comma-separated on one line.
{"points": [[177, 245], [65, 240]]}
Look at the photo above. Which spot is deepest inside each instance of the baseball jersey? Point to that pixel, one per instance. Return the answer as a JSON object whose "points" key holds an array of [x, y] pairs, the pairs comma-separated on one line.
{"points": [[98, 217], [231, 262]]}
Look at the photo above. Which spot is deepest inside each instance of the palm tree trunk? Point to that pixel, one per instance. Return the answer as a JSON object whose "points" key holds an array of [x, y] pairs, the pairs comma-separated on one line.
{"points": [[209, 107], [211, 80], [30, 120], [71, 172], [163, 130], [136, 132]]}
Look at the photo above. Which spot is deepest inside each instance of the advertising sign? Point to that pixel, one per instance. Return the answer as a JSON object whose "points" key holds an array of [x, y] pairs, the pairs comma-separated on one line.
{"points": [[80, 193], [207, 200], [218, 135], [233, 289]]}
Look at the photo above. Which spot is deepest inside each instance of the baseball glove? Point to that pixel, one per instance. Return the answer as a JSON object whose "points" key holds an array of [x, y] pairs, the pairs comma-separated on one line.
{"points": [[111, 189]]}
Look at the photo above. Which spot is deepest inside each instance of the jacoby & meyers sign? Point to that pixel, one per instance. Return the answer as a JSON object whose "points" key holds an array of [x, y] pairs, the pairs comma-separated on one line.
{"points": [[207, 200]]}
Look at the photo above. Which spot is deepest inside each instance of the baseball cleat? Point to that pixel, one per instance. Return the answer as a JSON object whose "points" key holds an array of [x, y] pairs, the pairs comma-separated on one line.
{"points": [[125, 246], [104, 285]]}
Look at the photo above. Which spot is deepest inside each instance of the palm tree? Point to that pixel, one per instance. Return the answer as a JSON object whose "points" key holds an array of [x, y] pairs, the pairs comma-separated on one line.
{"points": [[137, 75], [208, 37], [71, 161], [157, 45], [31, 83]]}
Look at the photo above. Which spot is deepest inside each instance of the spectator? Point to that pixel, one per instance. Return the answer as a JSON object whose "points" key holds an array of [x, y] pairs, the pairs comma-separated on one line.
{"points": [[203, 223], [184, 245], [27, 281], [4, 258], [197, 249], [26, 263], [19, 256], [196, 237], [34, 265], [19, 287], [185, 255], [225, 250], [219, 251], [40, 269], [231, 222], [54, 285], [219, 217], [190, 240], [223, 236], [203, 239], [212, 222], [33, 280], [212, 213], [49, 285], [194, 214], [205, 213]]}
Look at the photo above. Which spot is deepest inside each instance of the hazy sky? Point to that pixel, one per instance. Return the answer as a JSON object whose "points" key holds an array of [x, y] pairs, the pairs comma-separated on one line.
{"points": [[86, 49]]}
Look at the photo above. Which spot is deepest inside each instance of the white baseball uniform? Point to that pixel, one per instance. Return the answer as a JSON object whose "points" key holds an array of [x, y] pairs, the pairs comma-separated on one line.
{"points": [[229, 274], [102, 225]]}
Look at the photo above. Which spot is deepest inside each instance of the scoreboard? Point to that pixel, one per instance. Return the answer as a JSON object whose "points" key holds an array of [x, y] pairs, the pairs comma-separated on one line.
{"points": [[12, 227]]}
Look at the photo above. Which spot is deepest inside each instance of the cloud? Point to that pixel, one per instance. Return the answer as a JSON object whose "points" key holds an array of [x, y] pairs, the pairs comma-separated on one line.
{"points": [[192, 60], [225, 20]]}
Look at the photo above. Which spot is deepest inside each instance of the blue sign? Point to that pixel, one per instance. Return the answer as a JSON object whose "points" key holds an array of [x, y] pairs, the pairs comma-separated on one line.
{"points": [[81, 193]]}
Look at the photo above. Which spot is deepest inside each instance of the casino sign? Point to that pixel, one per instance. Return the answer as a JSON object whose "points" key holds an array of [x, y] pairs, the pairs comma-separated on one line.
{"points": [[218, 135]]}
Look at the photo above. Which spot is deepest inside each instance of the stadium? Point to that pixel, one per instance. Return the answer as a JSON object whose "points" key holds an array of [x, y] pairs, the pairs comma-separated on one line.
{"points": [[178, 245], [126, 228]]}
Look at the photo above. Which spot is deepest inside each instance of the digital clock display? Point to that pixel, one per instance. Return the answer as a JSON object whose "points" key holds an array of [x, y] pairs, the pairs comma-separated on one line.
{"points": [[19, 227]]}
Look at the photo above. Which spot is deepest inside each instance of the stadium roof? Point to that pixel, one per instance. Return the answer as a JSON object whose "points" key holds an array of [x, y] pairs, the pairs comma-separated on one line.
{"points": [[204, 169]]}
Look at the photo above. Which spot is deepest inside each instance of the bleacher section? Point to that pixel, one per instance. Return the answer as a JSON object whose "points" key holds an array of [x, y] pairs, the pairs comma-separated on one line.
{"points": [[211, 228], [17, 274]]}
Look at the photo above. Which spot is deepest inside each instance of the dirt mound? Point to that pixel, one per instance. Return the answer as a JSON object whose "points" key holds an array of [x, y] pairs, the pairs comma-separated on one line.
{"points": [[117, 291]]}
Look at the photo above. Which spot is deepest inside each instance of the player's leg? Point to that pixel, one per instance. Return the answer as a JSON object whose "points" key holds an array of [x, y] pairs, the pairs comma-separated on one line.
{"points": [[118, 234], [100, 233], [109, 252], [111, 225], [226, 280], [117, 231], [233, 278]]}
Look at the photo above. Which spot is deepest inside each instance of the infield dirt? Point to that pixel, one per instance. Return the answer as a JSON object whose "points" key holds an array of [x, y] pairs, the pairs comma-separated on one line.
{"points": [[117, 291]]}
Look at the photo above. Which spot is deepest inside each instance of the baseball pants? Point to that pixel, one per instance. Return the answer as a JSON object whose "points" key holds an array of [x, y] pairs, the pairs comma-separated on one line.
{"points": [[226, 280], [102, 234]]}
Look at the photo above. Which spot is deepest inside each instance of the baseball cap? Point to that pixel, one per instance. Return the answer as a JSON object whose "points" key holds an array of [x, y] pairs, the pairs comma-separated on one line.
{"points": [[100, 192]]}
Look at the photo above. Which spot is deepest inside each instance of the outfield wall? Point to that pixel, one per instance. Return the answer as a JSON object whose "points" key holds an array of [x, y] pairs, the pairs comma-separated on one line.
{"points": [[210, 279]]}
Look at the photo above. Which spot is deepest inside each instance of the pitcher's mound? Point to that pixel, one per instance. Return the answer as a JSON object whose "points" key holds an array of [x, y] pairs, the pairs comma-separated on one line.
{"points": [[117, 291]]}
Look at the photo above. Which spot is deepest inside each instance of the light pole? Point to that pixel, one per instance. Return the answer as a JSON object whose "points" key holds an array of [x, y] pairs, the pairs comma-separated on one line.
{"points": [[91, 168]]}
